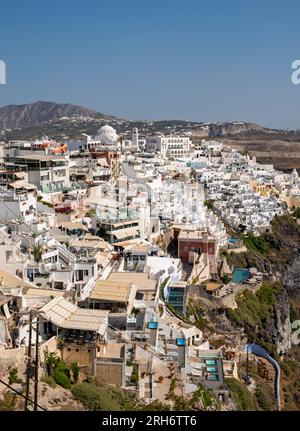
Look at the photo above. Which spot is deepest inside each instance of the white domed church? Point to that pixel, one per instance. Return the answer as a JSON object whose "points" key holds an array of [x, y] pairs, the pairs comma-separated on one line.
{"points": [[106, 137]]}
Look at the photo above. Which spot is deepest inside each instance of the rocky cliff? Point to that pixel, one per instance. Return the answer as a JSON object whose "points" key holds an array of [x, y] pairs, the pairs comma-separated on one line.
{"points": [[235, 128], [30, 114], [280, 325], [291, 278], [280, 258]]}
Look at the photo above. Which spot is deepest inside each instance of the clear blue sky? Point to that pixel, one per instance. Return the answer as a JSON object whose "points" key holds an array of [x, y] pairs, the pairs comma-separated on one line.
{"points": [[199, 60]]}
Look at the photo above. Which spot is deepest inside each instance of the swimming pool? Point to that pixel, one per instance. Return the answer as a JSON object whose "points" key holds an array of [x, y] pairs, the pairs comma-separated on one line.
{"points": [[210, 362], [213, 377], [240, 275], [211, 369]]}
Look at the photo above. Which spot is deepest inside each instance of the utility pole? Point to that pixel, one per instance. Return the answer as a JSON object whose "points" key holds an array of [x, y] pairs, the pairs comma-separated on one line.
{"points": [[28, 363], [32, 313], [36, 382]]}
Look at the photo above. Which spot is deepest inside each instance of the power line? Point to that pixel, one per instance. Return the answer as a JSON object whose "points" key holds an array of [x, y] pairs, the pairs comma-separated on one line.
{"points": [[21, 395], [36, 362]]}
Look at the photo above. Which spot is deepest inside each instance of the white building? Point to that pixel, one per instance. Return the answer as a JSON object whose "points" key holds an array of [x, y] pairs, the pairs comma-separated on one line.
{"points": [[169, 146], [106, 137], [16, 207], [49, 173]]}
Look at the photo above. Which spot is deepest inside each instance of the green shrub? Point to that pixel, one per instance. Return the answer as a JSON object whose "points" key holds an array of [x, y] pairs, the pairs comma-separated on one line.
{"points": [[206, 397], [59, 370], [225, 279], [103, 398], [296, 213], [51, 362], [91, 380], [293, 314], [75, 370], [172, 386], [13, 376], [285, 368], [209, 204], [63, 368], [255, 309], [135, 374], [7, 402], [239, 392], [256, 243], [62, 379], [37, 253], [181, 403], [263, 398], [155, 406]]}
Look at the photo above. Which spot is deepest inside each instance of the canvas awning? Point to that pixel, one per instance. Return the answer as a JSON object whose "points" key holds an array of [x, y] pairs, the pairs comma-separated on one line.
{"points": [[22, 185], [66, 315], [125, 233]]}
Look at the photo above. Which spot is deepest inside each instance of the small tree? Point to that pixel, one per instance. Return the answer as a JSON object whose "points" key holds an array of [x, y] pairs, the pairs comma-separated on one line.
{"points": [[225, 279], [62, 379], [75, 370], [172, 387], [51, 361], [13, 376], [135, 374], [37, 252]]}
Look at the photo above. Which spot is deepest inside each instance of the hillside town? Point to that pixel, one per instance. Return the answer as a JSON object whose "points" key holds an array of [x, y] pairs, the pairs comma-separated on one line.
{"points": [[110, 248]]}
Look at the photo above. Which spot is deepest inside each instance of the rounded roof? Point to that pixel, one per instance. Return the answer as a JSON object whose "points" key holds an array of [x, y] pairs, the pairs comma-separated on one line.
{"points": [[107, 135], [106, 129]]}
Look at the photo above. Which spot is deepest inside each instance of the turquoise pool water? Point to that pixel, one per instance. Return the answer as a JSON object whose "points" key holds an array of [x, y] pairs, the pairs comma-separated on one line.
{"points": [[213, 377], [240, 275], [210, 362], [211, 369], [232, 240]]}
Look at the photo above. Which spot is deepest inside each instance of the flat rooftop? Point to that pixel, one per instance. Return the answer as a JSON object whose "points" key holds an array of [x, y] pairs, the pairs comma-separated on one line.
{"points": [[114, 291], [111, 350], [194, 234], [140, 279], [38, 292], [181, 284], [95, 244], [41, 157]]}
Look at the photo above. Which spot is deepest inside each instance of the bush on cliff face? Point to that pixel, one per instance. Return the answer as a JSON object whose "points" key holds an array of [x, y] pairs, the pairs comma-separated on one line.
{"points": [[264, 399], [255, 309], [103, 398], [256, 243], [243, 398], [272, 251], [62, 380], [296, 213]]}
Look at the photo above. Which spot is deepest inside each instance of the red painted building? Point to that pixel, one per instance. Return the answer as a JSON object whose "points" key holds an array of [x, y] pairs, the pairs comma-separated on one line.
{"points": [[195, 241]]}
